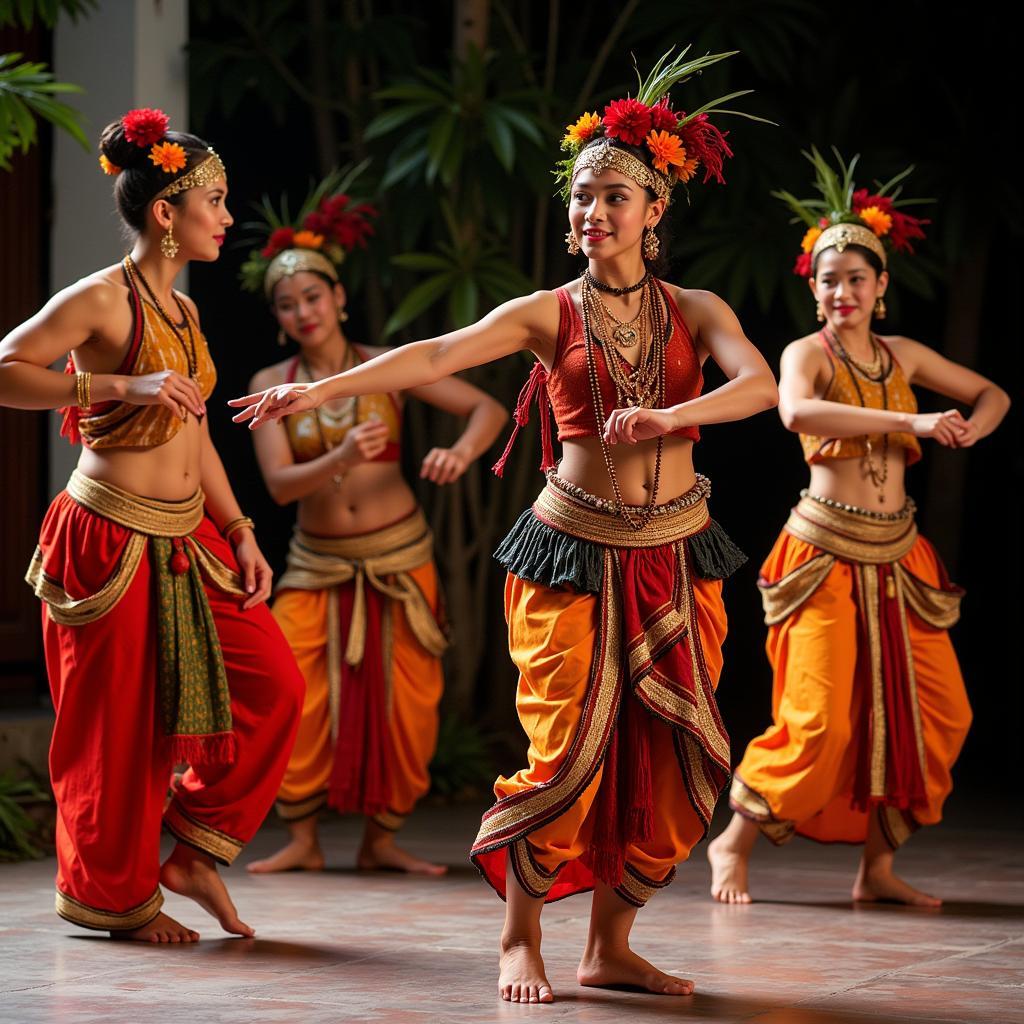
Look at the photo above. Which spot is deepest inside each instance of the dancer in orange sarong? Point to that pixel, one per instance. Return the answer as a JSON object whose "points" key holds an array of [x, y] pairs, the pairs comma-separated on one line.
{"points": [[869, 709]]}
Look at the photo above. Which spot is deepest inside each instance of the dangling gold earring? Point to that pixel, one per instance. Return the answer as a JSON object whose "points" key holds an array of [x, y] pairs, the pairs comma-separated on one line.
{"points": [[342, 315], [820, 313], [880, 308], [571, 245], [651, 244], [282, 338], [168, 246]]}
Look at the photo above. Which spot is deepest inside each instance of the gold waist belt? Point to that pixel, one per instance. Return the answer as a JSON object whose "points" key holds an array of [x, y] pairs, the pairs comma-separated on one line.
{"points": [[578, 519], [852, 536], [143, 515], [383, 559]]}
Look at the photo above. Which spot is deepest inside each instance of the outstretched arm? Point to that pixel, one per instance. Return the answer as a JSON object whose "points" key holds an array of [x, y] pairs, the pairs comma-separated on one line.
{"points": [[525, 323], [750, 388]]}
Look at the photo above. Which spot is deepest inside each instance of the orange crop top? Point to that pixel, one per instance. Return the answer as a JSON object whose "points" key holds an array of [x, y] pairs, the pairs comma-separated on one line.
{"points": [[314, 432], [565, 390], [154, 347], [896, 395]]}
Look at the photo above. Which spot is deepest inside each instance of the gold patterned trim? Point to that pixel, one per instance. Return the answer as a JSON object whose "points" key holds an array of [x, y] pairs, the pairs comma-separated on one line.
{"points": [[68, 611], [782, 598], [939, 608], [842, 235], [218, 573], [294, 810], [108, 920], [143, 515], [897, 826], [389, 820], [562, 512], [315, 563], [536, 882], [637, 888], [185, 828], [601, 155], [751, 805], [851, 536]]}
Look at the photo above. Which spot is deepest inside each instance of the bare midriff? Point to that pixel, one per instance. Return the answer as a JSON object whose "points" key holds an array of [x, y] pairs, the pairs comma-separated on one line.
{"points": [[168, 472], [583, 464], [371, 495], [847, 481]]}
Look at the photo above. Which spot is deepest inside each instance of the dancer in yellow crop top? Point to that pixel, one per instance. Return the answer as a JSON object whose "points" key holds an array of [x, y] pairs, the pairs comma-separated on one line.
{"points": [[359, 601], [869, 708]]}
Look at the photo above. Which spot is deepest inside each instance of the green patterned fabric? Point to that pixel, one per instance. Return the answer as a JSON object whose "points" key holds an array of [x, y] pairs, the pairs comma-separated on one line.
{"points": [[195, 704]]}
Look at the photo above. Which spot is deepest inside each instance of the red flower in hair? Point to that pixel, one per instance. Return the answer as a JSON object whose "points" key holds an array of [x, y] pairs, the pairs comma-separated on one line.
{"points": [[904, 228], [144, 126], [279, 240], [663, 119], [705, 142], [629, 120], [803, 265], [862, 200]]}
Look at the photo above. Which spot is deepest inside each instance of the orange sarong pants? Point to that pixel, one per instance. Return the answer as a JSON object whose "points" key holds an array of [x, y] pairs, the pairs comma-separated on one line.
{"points": [[416, 684], [803, 767], [551, 641]]}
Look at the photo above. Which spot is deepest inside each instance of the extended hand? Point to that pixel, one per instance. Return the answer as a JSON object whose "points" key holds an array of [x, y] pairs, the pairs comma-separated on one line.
{"points": [[266, 406], [628, 426], [443, 465]]}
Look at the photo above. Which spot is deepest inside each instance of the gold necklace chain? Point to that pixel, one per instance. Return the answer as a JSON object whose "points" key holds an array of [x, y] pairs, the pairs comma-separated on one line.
{"points": [[625, 333]]}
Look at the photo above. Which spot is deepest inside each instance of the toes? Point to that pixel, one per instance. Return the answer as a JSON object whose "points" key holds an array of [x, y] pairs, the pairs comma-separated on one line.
{"points": [[546, 995], [515, 993]]}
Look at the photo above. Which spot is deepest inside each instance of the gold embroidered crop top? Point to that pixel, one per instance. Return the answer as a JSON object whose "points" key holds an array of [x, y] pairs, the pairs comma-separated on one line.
{"points": [[314, 432], [893, 392], [155, 346]]}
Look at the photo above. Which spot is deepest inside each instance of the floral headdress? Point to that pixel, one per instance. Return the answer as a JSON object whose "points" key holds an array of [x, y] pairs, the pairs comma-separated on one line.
{"points": [[147, 129], [846, 215], [327, 227], [679, 143]]}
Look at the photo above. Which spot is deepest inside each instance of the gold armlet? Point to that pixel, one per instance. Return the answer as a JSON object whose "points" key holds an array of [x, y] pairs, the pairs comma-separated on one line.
{"points": [[241, 523]]}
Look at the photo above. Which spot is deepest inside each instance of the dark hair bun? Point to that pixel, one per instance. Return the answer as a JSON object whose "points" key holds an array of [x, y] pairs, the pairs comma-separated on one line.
{"points": [[114, 145]]}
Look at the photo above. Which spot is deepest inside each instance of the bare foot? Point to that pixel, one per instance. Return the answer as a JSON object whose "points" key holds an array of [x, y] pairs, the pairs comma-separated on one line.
{"points": [[161, 929], [728, 872], [384, 854], [885, 886], [624, 967], [298, 855], [521, 977], [193, 874]]}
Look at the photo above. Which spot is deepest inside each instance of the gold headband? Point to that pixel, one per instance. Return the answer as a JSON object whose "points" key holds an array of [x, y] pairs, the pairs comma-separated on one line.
{"points": [[602, 155], [842, 235], [292, 261], [204, 173]]}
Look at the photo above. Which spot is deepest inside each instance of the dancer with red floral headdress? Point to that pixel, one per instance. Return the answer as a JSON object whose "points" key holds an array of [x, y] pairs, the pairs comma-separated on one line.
{"points": [[159, 646], [359, 601], [613, 597], [869, 708]]}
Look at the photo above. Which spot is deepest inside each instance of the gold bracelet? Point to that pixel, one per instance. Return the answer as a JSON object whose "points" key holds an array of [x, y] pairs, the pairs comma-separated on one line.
{"points": [[241, 523], [83, 389]]}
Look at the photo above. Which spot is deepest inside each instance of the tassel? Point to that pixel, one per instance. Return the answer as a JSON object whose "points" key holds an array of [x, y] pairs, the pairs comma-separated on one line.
{"points": [[71, 413], [179, 560], [715, 556], [535, 386], [213, 748], [640, 824], [607, 850]]}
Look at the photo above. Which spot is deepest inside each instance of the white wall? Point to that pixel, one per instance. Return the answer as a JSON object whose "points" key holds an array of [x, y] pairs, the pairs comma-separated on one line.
{"points": [[125, 54]]}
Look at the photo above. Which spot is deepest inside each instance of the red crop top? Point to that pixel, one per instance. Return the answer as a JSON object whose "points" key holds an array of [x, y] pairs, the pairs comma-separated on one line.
{"points": [[565, 390]]}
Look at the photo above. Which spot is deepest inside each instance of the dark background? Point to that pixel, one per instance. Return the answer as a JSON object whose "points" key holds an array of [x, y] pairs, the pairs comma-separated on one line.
{"points": [[904, 88]]}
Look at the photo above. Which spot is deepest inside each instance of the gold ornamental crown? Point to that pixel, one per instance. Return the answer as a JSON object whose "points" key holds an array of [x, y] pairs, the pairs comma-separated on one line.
{"points": [[602, 155], [206, 172], [293, 261], [842, 235]]}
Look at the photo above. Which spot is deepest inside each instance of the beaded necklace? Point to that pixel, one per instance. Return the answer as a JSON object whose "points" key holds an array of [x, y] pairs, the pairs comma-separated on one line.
{"points": [[853, 368], [644, 387], [351, 407], [611, 289], [189, 347]]}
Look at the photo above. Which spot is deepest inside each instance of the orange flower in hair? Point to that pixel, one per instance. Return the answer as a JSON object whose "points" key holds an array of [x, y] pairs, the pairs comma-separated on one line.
{"points": [[667, 150], [582, 131], [108, 167], [168, 156], [812, 235], [307, 240], [877, 219]]}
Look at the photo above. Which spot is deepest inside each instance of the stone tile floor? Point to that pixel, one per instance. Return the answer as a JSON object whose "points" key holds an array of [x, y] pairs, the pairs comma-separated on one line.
{"points": [[346, 946]]}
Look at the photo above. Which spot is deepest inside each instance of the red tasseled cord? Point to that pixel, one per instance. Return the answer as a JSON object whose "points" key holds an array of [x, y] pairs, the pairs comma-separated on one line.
{"points": [[69, 424], [640, 819], [535, 386]]}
